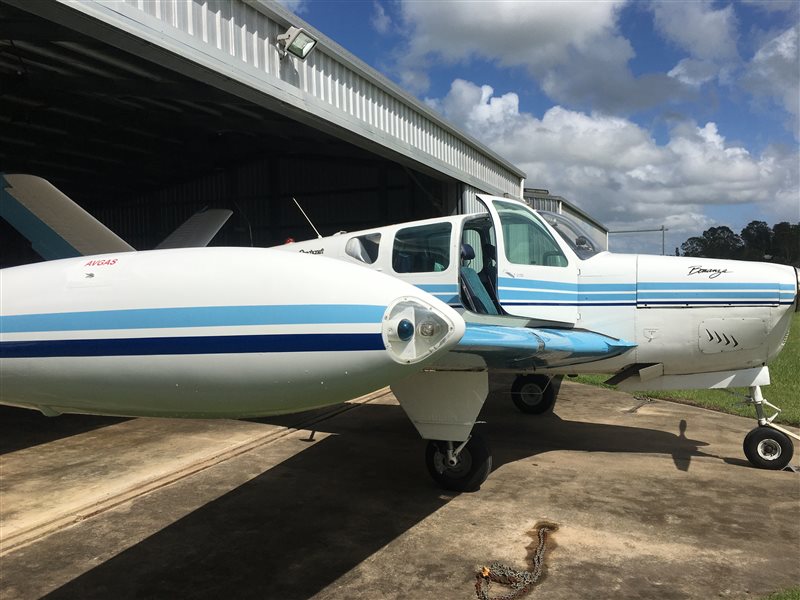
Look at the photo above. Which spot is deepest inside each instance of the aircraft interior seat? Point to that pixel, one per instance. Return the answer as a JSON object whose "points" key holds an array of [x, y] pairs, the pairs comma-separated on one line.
{"points": [[473, 292]]}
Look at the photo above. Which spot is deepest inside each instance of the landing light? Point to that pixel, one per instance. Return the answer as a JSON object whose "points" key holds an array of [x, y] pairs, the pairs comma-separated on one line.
{"points": [[413, 329]]}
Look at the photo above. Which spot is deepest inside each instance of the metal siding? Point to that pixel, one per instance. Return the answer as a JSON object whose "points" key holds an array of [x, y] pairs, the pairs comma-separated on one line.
{"points": [[246, 32]]}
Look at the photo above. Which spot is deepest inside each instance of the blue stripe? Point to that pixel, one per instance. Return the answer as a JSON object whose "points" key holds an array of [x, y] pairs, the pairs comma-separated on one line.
{"points": [[710, 302], [536, 283], [195, 316], [521, 303], [227, 344], [707, 295], [45, 241], [716, 285]]}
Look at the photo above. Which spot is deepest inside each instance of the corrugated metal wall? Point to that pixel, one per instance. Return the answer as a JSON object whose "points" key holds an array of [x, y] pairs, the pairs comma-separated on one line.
{"points": [[334, 85], [342, 195]]}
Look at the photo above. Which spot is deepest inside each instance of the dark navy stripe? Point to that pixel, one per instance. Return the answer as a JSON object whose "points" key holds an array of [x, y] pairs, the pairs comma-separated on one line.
{"points": [[710, 303], [224, 344], [511, 303]]}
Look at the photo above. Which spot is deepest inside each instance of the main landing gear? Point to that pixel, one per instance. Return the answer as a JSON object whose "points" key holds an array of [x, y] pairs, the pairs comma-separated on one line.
{"points": [[461, 467], [534, 394], [767, 446]]}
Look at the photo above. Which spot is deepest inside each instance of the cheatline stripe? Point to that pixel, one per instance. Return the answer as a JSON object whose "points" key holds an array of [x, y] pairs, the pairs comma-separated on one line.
{"points": [[224, 344], [193, 316]]}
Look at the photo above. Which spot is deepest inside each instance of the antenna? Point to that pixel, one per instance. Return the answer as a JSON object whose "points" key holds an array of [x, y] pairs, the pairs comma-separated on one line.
{"points": [[306, 216]]}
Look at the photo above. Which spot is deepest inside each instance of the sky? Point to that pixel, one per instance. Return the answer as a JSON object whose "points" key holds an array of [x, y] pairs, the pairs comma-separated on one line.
{"points": [[683, 114]]}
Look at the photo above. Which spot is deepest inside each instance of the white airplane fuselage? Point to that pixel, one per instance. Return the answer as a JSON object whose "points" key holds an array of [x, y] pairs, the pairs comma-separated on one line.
{"points": [[205, 332], [684, 315]]}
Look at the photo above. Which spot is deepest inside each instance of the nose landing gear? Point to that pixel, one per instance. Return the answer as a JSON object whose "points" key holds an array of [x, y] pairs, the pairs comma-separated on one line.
{"points": [[768, 446]]}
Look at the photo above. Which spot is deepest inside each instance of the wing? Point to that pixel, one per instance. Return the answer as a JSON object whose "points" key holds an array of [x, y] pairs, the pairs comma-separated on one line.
{"points": [[505, 347], [52, 222]]}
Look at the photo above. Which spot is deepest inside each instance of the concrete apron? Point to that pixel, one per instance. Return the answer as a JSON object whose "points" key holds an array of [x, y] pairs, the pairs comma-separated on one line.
{"points": [[651, 499], [50, 486]]}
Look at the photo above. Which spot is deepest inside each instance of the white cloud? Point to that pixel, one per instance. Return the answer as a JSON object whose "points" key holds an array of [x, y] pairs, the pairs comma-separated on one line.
{"points": [[699, 29], [574, 51], [619, 173], [380, 20], [694, 72], [774, 73]]}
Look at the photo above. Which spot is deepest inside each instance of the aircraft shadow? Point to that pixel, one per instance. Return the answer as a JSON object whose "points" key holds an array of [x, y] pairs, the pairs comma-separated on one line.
{"points": [[299, 526], [22, 428]]}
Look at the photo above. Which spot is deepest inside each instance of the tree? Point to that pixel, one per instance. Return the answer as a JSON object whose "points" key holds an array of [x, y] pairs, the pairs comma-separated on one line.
{"points": [[694, 246], [716, 242], [786, 243], [757, 237]]}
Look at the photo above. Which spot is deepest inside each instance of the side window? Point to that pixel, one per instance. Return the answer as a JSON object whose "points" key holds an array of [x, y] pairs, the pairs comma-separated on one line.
{"points": [[527, 241], [364, 247], [422, 249]]}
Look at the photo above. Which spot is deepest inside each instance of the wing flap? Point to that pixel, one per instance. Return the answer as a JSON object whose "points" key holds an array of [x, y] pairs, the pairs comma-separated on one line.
{"points": [[521, 347]]}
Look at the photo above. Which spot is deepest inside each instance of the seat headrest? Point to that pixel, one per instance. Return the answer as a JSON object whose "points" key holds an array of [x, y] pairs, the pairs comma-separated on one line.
{"points": [[467, 252]]}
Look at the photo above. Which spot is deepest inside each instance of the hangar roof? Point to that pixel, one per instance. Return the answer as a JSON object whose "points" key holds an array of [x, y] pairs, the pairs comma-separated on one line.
{"points": [[152, 90]]}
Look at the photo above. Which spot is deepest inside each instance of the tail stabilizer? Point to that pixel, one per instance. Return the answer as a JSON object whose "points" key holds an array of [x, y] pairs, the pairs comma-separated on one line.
{"points": [[198, 230], [52, 222]]}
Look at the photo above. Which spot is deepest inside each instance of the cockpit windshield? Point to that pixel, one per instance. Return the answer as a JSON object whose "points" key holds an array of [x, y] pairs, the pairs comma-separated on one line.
{"points": [[576, 237]]}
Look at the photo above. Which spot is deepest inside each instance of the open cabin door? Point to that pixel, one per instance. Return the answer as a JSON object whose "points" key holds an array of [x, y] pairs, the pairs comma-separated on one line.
{"points": [[535, 278]]}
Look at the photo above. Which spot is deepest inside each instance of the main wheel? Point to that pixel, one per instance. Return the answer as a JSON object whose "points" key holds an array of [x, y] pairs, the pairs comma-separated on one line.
{"points": [[473, 466], [533, 394], [768, 448]]}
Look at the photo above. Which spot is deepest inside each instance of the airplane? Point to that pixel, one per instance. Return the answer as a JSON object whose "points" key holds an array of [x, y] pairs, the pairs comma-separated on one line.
{"points": [[522, 279], [430, 308]]}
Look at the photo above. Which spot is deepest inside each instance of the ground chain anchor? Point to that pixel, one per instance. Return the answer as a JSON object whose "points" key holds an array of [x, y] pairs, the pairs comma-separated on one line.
{"points": [[519, 582]]}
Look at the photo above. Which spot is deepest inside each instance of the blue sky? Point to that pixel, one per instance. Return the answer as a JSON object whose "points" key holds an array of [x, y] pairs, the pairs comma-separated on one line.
{"points": [[684, 114]]}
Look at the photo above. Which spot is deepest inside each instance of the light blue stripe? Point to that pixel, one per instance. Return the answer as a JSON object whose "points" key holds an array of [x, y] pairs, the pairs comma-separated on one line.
{"points": [[716, 285], [704, 295], [438, 288], [536, 283], [194, 316]]}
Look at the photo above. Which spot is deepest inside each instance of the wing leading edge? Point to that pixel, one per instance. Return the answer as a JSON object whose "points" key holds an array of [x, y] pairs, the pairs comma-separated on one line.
{"points": [[522, 347]]}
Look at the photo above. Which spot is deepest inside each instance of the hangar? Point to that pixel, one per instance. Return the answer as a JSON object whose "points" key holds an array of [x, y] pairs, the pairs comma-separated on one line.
{"points": [[145, 111]]}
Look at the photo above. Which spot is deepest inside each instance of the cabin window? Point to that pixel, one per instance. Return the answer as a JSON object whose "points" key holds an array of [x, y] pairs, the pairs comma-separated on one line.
{"points": [[527, 240], [422, 249], [364, 247]]}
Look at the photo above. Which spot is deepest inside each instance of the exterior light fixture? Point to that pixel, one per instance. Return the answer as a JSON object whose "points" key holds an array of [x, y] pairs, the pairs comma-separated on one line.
{"points": [[295, 41]]}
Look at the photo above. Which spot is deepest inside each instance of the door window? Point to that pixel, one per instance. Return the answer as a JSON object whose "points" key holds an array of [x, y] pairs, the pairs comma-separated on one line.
{"points": [[527, 240]]}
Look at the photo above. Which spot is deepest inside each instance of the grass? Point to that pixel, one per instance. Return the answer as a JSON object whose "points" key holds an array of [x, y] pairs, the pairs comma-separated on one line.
{"points": [[783, 392], [790, 594]]}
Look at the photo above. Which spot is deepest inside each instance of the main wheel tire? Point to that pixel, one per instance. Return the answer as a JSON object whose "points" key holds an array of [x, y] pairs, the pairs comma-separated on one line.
{"points": [[533, 394], [768, 448], [474, 465]]}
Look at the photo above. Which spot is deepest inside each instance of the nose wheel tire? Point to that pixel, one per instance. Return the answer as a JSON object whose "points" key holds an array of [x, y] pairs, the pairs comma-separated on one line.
{"points": [[533, 394], [474, 463], [768, 448]]}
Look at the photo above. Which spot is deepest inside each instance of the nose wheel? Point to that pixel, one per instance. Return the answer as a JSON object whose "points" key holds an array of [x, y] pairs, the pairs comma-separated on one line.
{"points": [[457, 466], [768, 448]]}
